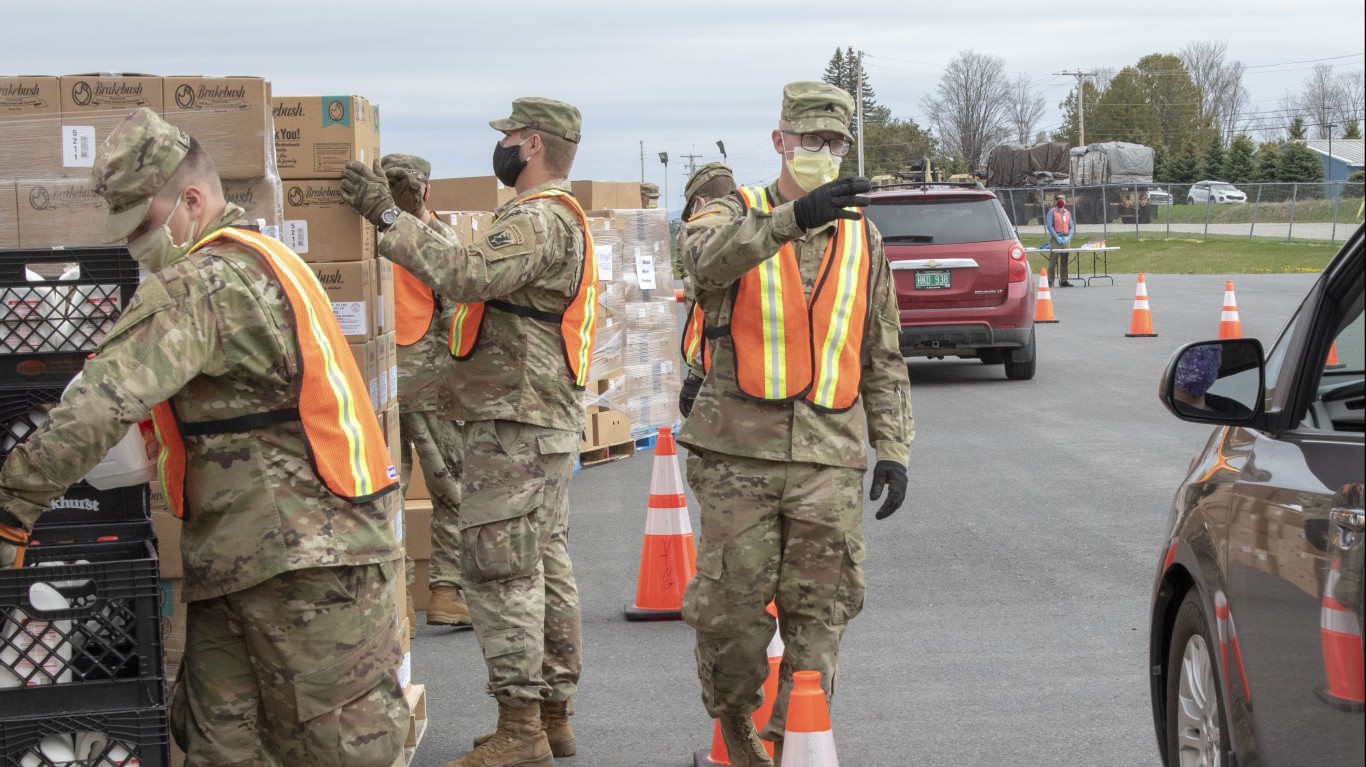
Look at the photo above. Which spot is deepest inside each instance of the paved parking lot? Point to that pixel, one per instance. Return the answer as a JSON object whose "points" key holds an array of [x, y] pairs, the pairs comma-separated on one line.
{"points": [[1006, 620]]}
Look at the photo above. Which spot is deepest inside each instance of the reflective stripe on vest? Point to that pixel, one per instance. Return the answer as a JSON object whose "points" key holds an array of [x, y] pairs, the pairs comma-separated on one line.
{"points": [[788, 346], [414, 305], [341, 433], [578, 322], [1062, 221], [696, 349]]}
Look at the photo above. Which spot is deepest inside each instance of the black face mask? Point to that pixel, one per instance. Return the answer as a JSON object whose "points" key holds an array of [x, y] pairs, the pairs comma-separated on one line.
{"points": [[507, 163]]}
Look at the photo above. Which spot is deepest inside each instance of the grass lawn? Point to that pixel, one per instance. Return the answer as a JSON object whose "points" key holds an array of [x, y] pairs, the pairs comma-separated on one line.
{"points": [[1215, 255], [1306, 212]]}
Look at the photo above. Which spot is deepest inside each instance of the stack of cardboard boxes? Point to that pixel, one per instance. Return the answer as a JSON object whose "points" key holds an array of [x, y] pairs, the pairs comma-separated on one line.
{"points": [[52, 126]]}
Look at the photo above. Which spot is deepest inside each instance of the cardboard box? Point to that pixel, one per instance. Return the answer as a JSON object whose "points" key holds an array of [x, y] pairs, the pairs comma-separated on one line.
{"points": [[391, 438], [364, 354], [9, 214], [60, 212], [229, 116], [417, 481], [389, 369], [418, 541], [92, 105], [261, 198], [172, 623], [477, 193], [607, 195], [320, 226], [316, 136], [350, 286], [419, 589], [386, 318], [611, 427], [30, 127], [168, 529]]}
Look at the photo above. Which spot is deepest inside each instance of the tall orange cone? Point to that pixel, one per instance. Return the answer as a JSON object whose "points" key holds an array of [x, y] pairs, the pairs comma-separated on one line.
{"points": [[1043, 306], [1228, 641], [1141, 324], [1333, 361], [718, 754], [1340, 634], [668, 556], [1229, 324], [808, 740]]}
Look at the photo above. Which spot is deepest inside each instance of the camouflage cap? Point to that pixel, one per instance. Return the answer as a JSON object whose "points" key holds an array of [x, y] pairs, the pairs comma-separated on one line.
{"points": [[649, 189], [702, 175], [814, 107], [132, 165], [542, 114], [409, 162]]}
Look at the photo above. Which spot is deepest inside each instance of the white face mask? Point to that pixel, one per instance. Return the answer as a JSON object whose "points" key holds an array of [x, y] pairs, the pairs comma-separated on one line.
{"points": [[157, 248], [811, 169]]}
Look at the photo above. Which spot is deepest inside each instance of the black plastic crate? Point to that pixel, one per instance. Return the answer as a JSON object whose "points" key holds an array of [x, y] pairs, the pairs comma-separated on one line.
{"points": [[49, 325], [102, 652], [21, 412], [134, 738]]}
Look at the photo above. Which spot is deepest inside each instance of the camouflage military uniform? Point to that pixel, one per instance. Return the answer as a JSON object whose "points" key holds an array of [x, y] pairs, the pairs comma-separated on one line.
{"points": [[522, 422], [292, 649], [425, 378], [780, 484]]}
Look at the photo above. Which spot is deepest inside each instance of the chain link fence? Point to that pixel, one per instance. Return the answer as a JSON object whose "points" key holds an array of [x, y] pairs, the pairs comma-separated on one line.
{"points": [[1328, 211]]}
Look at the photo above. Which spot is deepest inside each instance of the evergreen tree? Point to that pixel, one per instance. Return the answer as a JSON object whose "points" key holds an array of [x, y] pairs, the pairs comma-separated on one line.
{"points": [[1212, 162], [1268, 168], [1299, 163], [835, 72], [1295, 131], [1353, 129], [1160, 160], [1240, 165], [1184, 165]]}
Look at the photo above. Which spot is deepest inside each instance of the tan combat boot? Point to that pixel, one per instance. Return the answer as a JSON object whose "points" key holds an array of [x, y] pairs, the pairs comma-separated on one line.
{"points": [[519, 741], [447, 608], [743, 743], [555, 719]]}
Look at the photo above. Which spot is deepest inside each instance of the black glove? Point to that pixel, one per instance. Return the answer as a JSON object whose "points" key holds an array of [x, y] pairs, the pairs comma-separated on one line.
{"points": [[13, 540], [691, 386], [367, 190], [891, 475], [827, 202]]}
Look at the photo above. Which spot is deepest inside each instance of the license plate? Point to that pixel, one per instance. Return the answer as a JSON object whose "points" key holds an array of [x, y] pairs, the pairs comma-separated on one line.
{"points": [[932, 280]]}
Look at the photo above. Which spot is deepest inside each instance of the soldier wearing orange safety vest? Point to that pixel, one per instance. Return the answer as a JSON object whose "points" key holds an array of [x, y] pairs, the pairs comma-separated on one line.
{"points": [[426, 374], [801, 317], [709, 182], [272, 457], [522, 337], [1058, 223]]}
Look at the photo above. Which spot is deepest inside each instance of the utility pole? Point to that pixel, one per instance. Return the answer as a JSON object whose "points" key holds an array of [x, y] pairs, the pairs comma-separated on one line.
{"points": [[692, 163], [1081, 102], [642, 162], [858, 107]]}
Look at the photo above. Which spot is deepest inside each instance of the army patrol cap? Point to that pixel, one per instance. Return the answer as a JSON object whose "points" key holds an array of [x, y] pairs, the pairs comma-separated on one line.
{"points": [[409, 162], [702, 175], [542, 114], [814, 107], [133, 164], [649, 189]]}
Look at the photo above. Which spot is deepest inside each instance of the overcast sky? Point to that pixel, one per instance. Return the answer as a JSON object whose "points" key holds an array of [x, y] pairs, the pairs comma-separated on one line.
{"points": [[678, 76]]}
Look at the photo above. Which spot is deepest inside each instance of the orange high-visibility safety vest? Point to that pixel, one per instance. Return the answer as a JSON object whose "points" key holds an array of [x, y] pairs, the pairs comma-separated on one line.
{"points": [[696, 349], [414, 306], [1062, 220], [341, 434], [578, 324], [789, 347]]}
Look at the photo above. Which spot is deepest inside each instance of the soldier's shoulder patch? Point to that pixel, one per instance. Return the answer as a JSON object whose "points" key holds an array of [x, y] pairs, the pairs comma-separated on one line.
{"points": [[505, 237]]}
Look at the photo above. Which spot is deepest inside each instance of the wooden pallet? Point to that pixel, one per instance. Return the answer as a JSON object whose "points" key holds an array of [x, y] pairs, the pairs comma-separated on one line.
{"points": [[607, 454], [416, 695]]}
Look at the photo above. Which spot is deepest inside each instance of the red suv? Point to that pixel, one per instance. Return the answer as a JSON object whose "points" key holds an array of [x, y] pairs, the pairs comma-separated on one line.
{"points": [[963, 283]]}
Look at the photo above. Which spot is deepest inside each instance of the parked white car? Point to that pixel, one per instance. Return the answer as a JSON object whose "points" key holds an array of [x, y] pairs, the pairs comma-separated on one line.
{"points": [[1214, 191]]}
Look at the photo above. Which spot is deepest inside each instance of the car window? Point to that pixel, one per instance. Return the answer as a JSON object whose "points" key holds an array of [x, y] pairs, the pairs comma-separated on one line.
{"points": [[1225, 187], [1275, 361], [1340, 388], [940, 222]]}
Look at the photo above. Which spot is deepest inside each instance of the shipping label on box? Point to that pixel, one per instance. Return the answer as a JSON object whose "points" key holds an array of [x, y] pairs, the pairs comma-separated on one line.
{"points": [[320, 225], [229, 116], [477, 193], [316, 136], [30, 122], [392, 438], [92, 106], [350, 286], [261, 198], [60, 213], [9, 215]]}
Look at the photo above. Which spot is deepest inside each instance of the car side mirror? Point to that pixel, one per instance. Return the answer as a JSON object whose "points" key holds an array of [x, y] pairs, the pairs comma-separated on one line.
{"points": [[1216, 382]]}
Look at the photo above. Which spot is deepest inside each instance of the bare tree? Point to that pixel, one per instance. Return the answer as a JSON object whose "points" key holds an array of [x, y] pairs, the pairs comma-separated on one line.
{"points": [[1351, 99], [1222, 95], [1024, 107], [968, 107], [1319, 98]]}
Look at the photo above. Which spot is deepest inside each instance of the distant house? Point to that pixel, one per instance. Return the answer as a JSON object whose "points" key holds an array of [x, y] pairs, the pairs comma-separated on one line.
{"points": [[1345, 160]]}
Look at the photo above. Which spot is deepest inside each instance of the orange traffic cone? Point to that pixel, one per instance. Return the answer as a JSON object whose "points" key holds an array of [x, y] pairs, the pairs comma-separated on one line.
{"points": [[718, 754], [1340, 634], [1043, 306], [808, 740], [1141, 325], [1333, 361], [1228, 640], [1229, 324], [668, 556]]}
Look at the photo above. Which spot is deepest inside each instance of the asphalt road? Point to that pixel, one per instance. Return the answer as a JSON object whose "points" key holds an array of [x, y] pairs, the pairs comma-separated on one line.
{"points": [[1006, 619]]}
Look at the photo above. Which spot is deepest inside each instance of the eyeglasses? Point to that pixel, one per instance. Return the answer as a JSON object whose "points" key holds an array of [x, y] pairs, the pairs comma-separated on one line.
{"points": [[812, 142]]}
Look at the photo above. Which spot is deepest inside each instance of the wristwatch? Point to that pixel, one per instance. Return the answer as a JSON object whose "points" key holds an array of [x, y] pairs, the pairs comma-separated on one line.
{"points": [[388, 217]]}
